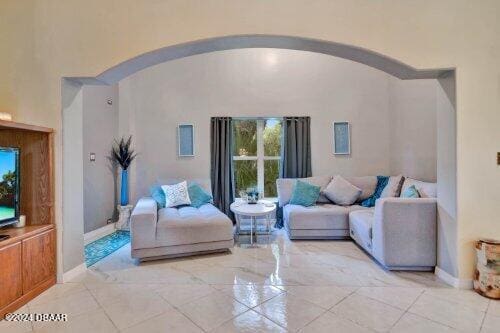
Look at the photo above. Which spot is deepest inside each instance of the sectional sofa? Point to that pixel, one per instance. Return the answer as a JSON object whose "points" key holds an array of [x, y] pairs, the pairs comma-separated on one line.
{"points": [[400, 233]]}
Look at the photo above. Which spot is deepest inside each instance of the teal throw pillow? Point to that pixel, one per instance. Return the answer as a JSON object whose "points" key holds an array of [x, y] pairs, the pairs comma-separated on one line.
{"points": [[411, 192], [198, 196], [381, 184], [157, 193], [304, 194]]}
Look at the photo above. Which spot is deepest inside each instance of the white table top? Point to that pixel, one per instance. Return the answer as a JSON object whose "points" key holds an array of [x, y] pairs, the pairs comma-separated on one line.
{"points": [[261, 208]]}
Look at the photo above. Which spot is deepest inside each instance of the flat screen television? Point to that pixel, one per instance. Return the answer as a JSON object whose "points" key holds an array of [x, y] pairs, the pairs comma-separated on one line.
{"points": [[9, 185]]}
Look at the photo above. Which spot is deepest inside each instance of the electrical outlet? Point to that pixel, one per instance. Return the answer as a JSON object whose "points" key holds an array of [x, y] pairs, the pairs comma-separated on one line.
{"points": [[92, 157]]}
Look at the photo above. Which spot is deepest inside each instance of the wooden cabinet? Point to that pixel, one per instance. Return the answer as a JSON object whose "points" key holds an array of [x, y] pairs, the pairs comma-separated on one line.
{"points": [[27, 265], [28, 257], [10, 274], [39, 255]]}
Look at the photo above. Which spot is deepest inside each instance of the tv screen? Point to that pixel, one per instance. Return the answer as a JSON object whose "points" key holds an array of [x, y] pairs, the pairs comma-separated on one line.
{"points": [[9, 185]]}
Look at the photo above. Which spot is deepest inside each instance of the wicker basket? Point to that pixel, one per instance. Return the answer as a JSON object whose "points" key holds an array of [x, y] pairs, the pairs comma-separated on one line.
{"points": [[487, 276]]}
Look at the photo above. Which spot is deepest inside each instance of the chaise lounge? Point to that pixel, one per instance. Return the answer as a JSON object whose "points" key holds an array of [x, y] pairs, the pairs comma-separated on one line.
{"points": [[180, 231]]}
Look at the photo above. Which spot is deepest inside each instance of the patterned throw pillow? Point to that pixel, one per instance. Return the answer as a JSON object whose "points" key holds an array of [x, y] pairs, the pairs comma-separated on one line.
{"points": [[176, 195], [198, 196], [304, 194]]}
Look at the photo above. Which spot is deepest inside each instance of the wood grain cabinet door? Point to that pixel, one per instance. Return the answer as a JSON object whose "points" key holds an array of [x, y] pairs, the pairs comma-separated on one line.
{"points": [[39, 259], [10, 274]]}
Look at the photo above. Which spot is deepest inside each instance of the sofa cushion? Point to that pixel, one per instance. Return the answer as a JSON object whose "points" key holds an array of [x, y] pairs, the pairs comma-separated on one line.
{"points": [[190, 225], [198, 196], [176, 195], [425, 189], [324, 216], [285, 188], [205, 183], [304, 194], [367, 184], [410, 192], [341, 192], [393, 187], [157, 193], [360, 225]]}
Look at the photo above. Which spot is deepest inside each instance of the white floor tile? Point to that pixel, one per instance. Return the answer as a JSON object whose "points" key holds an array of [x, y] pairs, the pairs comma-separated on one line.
{"points": [[367, 312]]}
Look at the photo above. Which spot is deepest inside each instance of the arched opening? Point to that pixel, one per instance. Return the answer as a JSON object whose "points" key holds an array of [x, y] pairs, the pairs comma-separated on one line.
{"points": [[73, 122]]}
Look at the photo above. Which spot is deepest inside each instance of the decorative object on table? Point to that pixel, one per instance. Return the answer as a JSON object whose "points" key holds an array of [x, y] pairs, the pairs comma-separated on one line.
{"points": [[252, 195], [487, 275], [21, 222], [263, 208], [243, 196], [123, 155], [5, 116], [124, 212], [341, 138], [185, 139]]}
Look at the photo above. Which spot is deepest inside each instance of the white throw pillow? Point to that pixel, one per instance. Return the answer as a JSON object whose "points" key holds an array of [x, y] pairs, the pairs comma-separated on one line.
{"points": [[393, 187], [176, 195], [341, 192], [425, 189]]}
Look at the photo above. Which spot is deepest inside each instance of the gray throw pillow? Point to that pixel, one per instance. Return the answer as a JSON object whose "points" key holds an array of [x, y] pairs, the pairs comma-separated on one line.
{"points": [[341, 192], [393, 187]]}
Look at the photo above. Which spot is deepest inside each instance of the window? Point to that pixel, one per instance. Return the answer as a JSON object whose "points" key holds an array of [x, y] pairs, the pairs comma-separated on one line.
{"points": [[256, 155]]}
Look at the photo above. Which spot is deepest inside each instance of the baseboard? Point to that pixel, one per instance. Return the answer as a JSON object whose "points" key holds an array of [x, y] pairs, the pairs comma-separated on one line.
{"points": [[453, 281], [71, 274], [93, 235]]}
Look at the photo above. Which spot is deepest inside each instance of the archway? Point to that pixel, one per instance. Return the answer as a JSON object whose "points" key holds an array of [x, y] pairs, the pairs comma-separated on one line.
{"points": [[73, 187]]}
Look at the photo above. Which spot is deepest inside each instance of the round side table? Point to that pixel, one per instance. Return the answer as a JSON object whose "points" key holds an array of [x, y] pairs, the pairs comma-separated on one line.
{"points": [[261, 209]]}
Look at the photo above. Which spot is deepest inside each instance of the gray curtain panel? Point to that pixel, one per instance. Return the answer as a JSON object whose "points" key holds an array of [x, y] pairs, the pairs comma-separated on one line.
{"points": [[221, 163], [296, 148]]}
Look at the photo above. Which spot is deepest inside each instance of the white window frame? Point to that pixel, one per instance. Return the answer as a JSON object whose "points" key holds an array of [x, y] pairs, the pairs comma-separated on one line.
{"points": [[260, 158]]}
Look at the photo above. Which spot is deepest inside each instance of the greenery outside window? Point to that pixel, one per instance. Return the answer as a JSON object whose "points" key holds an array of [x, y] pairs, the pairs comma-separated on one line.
{"points": [[256, 154]]}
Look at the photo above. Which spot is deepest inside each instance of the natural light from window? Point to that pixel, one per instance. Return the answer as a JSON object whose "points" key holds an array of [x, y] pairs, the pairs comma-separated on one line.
{"points": [[256, 155]]}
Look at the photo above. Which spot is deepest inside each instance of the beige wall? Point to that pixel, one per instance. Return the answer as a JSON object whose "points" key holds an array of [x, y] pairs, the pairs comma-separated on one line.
{"points": [[273, 82], [100, 128], [412, 105], [43, 41]]}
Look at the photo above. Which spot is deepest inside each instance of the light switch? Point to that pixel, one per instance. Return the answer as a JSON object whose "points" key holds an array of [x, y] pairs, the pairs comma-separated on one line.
{"points": [[92, 157]]}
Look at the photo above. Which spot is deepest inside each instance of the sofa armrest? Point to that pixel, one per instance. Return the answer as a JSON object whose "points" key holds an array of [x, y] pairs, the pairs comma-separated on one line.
{"points": [[143, 223], [404, 231]]}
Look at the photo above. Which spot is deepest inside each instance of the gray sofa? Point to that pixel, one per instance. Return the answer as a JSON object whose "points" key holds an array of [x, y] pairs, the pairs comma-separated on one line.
{"points": [[176, 232], [400, 233]]}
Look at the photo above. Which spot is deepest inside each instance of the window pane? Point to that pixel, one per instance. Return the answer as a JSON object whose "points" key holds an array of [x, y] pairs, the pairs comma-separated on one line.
{"points": [[245, 175], [272, 137], [245, 138], [271, 173]]}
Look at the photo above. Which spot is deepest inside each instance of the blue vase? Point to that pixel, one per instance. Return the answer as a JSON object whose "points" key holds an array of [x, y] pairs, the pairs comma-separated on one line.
{"points": [[124, 189]]}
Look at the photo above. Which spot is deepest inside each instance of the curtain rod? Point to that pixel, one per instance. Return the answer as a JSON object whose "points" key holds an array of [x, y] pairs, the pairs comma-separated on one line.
{"points": [[257, 118]]}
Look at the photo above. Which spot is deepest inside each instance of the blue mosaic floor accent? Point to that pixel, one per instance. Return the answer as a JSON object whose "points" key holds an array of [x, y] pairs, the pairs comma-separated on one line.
{"points": [[103, 247]]}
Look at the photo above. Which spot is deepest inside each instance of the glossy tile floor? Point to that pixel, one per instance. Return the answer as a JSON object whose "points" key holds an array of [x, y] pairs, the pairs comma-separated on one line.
{"points": [[307, 286]]}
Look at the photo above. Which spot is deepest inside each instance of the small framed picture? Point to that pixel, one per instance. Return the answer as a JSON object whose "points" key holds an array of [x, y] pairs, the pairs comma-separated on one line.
{"points": [[185, 138], [341, 138]]}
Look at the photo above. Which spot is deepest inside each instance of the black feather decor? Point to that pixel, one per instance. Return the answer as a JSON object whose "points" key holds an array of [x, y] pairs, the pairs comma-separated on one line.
{"points": [[122, 153]]}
